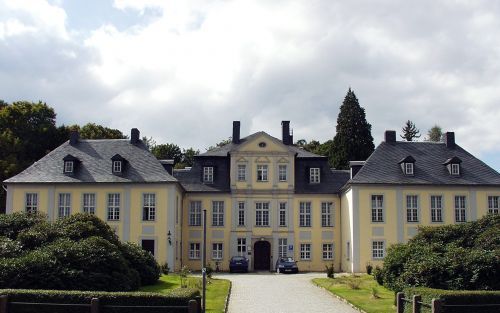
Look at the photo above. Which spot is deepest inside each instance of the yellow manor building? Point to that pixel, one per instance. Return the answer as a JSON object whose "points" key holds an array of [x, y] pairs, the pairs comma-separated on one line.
{"points": [[265, 198]]}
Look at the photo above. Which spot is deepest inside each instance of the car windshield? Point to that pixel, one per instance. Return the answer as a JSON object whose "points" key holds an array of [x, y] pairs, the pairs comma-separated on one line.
{"points": [[287, 260], [238, 258]]}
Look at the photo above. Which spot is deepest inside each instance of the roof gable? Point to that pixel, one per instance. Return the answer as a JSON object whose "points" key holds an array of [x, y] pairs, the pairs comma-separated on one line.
{"points": [[262, 142]]}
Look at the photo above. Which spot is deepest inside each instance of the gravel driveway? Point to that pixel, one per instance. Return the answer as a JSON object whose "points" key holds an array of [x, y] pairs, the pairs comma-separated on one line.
{"points": [[276, 293]]}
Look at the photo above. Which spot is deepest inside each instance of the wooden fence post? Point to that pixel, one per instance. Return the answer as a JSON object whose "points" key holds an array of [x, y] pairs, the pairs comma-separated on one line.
{"points": [[436, 306], [193, 306], [94, 305], [416, 305], [399, 302], [3, 303]]}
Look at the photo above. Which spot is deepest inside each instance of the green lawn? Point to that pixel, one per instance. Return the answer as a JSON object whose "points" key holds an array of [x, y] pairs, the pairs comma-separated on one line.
{"points": [[217, 289], [362, 297]]}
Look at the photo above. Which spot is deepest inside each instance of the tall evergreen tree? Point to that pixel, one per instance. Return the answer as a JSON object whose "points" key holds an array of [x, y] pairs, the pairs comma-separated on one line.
{"points": [[353, 140], [434, 134], [410, 131]]}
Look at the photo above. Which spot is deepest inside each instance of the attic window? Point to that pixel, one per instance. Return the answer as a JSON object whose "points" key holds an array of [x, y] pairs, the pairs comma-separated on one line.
{"points": [[409, 168], [117, 166], [455, 169], [68, 166], [453, 166], [408, 165], [262, 144]]}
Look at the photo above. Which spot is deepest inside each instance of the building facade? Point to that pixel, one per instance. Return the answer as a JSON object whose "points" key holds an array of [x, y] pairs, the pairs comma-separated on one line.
{"points": [[264, 198]]}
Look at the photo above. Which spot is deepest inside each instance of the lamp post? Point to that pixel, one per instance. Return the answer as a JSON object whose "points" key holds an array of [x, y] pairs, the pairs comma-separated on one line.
{"points": [[204, 262]]}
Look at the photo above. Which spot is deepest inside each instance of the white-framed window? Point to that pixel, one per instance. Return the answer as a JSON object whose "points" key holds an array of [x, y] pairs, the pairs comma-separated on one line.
{"points": [[305, 214], [282, 172], [68, 166], [241, 246], [377, 208], [31, 202], [217, 213], [117, 166], [455, 169], [314, 175], [195, 213], [113, 206], [208, 174], [64, 204], [262, 171], [409, 168], [149, 207], [194, 251], [378, 249], [262, 214], [282, 247], [305, 251], [328, 251], [460, 209], [493, 204], [412, 208], [282, 214], [242, 172], [241, 213], [217, 251], [326, 214], [436, 209], [89, 203]]}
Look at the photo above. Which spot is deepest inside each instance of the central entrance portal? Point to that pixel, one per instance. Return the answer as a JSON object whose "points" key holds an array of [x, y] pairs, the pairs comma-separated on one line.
{"points": [[262, 256]]}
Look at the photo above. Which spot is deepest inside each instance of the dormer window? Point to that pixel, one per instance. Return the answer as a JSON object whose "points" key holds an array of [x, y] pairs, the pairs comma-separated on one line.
{"points": [[314, 175], [70, 164], [117, 164], [208, 174], [408, 165], [453, 166]]}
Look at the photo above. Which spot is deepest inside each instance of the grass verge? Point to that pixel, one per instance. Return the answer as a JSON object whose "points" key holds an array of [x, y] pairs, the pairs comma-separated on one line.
{"points": [[217, 289], [359, 291]]}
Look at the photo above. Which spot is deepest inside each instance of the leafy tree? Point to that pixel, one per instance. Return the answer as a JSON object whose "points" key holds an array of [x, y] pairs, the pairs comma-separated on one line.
{"points": [[221, 143], [434, 134], [353, 140], [94, 131], [149, 142], [167, 151], [188, 156], [410, 131]]}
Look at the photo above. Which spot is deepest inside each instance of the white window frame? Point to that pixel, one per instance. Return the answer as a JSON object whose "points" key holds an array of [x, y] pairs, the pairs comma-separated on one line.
{"points": [[455, 169], [314, 175], [117, 166], [305, 251], [412, 208], [217, 251], [377, 208], [241, 246], [31, 202], [88, 203], [327, 214], [149, 207], [242, 172], [195, 213], [305, 209], [208, 174], [378, 249], [194, 251], [241, 213], [493, 204], [282, 247], [460, 209], [217, 213], [69, 166], [64, 205], [262, 214], [262, 172], [282, 214], [327, 251], [114, 206], [436, 209], [282, 172], [409, 168]]}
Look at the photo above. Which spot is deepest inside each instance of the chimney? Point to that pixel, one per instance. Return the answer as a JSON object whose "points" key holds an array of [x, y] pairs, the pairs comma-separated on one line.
{"points": [[73, 137], [236, 132], [450, 139], [285, 129], [355, 167], [134, 136], [390, 136]]}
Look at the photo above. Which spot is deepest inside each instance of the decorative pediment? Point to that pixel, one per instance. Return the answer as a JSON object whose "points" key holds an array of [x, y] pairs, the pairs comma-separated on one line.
{"points": [[262, 159], [261, 142], [283, 160], [242, 160]]}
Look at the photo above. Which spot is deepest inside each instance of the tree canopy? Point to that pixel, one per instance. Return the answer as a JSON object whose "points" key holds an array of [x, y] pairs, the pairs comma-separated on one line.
{"points": [[353, 140], [434, 134], [167, 151], [410, 131]]}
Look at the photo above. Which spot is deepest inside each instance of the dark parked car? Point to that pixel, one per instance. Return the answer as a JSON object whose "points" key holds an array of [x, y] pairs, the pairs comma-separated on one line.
{"points": [[238, 264], [286, 265]]}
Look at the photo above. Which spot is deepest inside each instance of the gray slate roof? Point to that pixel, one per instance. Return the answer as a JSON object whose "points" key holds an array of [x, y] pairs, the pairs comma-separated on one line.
{"points": [[224, 150], [95, 167], [191, 182], [382, 166]]}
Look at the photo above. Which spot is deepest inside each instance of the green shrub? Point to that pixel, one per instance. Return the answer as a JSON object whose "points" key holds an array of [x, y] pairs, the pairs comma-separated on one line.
{"points": [[142, 261], [9, 248], [353, 283], [79, 226], [12, 224], [209, 270], [330, 271], [377, 275], [164, 268], [369, 268], [176, 297]]}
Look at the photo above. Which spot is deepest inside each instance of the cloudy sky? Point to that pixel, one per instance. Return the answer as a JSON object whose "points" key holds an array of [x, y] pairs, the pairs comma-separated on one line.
{"points": [[182, 71]]}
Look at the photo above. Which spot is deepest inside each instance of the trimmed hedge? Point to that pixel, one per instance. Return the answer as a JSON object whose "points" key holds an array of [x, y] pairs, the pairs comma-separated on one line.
{"points": [[455, 297], [176, 297]]}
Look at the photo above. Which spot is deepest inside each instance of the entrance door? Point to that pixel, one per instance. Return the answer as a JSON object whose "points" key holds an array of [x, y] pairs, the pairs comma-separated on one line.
{"points": [[262, 256]]}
